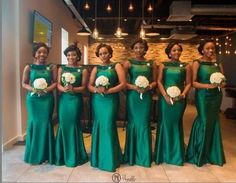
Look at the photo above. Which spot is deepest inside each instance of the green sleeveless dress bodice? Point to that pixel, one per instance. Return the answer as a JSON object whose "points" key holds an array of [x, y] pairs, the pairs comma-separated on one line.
{"points": [[105, 151], [205, 144], [70, 149], [169, 146], [40, 137], [138, 149]]}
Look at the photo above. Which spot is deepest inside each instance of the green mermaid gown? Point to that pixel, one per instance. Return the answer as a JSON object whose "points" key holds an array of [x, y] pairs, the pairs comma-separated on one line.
{"points": [[105, 151], [138, 149], [40, 138], [70, 149], [205, 144], [169, 146]]}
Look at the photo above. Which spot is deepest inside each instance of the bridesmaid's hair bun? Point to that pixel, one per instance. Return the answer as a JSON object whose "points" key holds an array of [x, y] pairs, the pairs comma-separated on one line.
{"points": [[141, 41], [202, 44], [39, 45], [73, 47], [108, 47], [170, 46]]}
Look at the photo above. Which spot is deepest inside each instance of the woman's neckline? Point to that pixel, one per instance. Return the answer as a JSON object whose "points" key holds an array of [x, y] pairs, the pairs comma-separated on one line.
{"points": [[72, 66]]}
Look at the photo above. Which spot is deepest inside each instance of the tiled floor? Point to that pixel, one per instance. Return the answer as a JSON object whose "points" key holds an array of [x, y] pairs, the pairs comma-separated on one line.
{"points": [[15, 170]]}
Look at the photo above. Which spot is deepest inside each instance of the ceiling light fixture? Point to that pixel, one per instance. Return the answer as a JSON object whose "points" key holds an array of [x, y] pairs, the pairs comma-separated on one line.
{"points": [[95, 31], [142, 31], [150, 9], [83, 32], [118, 31], [86, 6], [109, 8], [131, 7], [152, 32]]}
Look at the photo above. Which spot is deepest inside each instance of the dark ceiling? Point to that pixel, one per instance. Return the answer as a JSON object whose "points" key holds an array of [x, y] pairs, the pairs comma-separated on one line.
{"points": [[204, 22]]}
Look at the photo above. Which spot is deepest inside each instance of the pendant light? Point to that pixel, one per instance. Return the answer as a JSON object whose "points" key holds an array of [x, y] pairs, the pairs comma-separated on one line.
{"points": [[119, 31], [151, 32], [142, 31], [95, 31], [83, 32]]}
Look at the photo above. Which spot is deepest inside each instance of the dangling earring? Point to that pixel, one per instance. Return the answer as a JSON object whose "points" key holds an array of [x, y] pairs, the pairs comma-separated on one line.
{"points": [[170, 56]]}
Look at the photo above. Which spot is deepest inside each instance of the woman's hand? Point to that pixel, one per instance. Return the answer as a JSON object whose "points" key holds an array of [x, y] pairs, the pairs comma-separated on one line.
{"points": [[182, 96], [68, 87], [211, 86], [168, 99], [101, 90]]}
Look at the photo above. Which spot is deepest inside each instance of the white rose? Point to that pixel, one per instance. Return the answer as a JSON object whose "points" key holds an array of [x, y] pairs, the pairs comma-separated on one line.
{"points": [[40, 84], [102, 81], [141, 82], [68, 78], [217, 78]]}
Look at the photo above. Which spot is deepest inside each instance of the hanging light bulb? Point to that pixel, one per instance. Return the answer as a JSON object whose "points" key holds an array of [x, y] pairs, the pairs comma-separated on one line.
{"points": [[95, 33], [142, 33], [86, 6], [150, 8], [118, 32], [109, 8], [131, 7]]}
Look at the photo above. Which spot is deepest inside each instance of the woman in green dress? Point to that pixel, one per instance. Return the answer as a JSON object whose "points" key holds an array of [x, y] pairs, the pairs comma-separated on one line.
{"points": [[170, 139], [205, 144], [70, 149], [39, 79], [138, 146], [106, 81]]}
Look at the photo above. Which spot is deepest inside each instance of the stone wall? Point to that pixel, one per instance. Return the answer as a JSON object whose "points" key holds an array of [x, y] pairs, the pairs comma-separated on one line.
{"points": [[156, 51]]}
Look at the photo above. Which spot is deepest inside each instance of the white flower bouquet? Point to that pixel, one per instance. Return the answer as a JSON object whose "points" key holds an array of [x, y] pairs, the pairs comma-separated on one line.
{"points": [[102, 81], [217, 78], [39, 84], [141, 82], [68, 78], [174, 93]]}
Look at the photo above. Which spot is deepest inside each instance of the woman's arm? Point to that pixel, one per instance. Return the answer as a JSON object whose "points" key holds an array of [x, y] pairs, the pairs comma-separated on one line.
{"points": [[160, 85], [59, 86], [154, 76], [129, 86], [81, 88], [122, 80], [197, 84], [25, 79], [91, 86], [187, 82], [54, 80], [223, 84]]}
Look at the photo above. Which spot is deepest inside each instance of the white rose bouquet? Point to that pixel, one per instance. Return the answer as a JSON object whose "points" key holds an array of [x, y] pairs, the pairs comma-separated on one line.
{"points": [[102, 81], [39, 84], [68, 78], [217, 78], [141, 82], [174, 93]]}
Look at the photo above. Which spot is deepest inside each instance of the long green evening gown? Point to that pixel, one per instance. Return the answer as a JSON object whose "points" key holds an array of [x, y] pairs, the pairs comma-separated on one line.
{"points": [[205, 144], [138, 149], [40, 137], [70, 149], [169, 146], [105, 151]]}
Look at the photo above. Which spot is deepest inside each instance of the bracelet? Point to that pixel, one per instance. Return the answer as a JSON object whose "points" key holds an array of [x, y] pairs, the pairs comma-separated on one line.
{"points": [[95, 90]]}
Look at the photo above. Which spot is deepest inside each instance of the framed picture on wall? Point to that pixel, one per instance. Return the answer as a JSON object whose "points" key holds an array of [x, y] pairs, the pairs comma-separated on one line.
{"points": [[42, 29]]}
